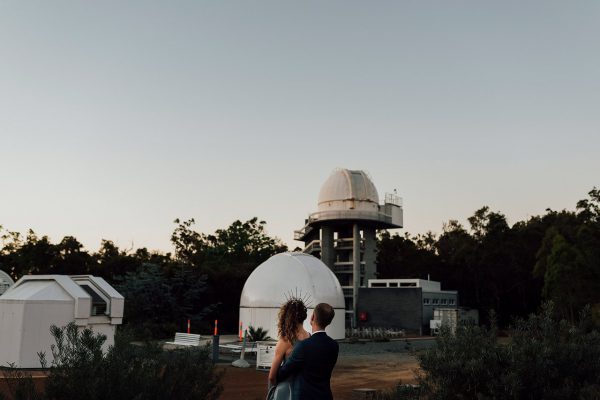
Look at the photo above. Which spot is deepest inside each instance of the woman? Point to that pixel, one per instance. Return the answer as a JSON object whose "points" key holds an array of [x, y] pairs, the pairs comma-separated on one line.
{"points": [[291, 316]]}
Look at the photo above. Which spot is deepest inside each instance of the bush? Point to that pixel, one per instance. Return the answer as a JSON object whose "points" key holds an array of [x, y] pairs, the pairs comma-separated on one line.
{"points": [[257, 334], [546, 358], [80, 370]]}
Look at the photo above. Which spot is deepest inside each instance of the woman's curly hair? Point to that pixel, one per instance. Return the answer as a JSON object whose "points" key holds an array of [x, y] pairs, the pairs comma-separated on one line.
{"points": [[291, 313]]}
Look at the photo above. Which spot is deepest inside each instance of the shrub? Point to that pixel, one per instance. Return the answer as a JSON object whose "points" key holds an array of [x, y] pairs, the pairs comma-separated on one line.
{"points": [[545, 358], [257, 334], [80, 370]]}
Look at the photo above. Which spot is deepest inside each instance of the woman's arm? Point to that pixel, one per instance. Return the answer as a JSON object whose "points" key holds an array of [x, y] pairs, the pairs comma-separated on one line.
{"points": [[294, 363], [280, 349]]}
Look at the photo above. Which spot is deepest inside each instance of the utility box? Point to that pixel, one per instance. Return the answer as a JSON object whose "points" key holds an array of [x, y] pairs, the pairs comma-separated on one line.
{"points": [[265, 352]]}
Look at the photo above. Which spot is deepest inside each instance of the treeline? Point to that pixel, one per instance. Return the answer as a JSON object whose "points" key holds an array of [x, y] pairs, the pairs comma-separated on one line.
{"points": [[202, 280], [494, 266], [508, 269]]}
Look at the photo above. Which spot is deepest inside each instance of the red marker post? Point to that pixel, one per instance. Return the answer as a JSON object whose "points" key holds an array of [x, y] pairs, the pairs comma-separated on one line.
{"points": [[241, 334], [215, 342], [189, 326]]}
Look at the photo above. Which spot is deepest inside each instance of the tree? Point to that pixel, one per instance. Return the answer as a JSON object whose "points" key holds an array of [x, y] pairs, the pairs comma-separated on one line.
{"points": [[227, 258]]}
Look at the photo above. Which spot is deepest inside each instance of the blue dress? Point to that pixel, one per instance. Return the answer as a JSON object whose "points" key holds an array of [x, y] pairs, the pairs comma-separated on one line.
{"points": [[284, 389]]}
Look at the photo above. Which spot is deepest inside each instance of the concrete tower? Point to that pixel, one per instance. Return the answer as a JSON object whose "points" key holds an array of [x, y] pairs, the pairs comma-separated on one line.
{"points": [[342, 231]]}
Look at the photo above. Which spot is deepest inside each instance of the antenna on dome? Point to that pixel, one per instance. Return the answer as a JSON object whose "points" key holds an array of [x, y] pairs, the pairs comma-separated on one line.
{"points": [[294, 294]]}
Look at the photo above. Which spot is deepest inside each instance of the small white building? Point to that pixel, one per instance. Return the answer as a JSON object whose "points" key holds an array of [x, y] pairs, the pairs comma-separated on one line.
{"points": [[36, 302], [269, 285]]}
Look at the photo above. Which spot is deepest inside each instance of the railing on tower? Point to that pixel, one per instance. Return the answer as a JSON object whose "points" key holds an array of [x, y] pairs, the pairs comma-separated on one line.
{"points": [[392, 198]]}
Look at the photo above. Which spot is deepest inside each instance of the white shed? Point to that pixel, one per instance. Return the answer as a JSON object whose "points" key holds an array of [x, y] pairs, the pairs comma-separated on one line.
{"points": [[283, 274], [36, 302]]}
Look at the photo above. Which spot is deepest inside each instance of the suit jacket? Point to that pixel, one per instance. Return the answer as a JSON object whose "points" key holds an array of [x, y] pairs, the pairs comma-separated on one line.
{"points": [[312, 361]]}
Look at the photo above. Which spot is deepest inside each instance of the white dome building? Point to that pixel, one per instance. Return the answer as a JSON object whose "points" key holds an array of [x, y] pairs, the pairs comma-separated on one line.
{"points": [[5, 282], [272, 282]]}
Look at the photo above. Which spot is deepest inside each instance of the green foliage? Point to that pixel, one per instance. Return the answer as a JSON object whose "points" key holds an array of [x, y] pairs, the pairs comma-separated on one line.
{"points": [[404, 392], [227, 258], [257, 334], [202, 281], [80, 370], [510, 269], [546, 358], [155, 300]]}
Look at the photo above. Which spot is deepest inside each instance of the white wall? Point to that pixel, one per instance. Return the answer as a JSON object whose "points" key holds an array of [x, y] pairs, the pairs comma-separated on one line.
{"points": [[38, 317], [11, 317]]}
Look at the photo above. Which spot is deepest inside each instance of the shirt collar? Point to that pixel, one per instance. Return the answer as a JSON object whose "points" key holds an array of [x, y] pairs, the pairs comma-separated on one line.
{"points": [[318, 332]]}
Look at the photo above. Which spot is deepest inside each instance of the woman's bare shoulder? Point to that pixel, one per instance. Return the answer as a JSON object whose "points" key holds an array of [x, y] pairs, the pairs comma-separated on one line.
{"points": [[283, 344]]}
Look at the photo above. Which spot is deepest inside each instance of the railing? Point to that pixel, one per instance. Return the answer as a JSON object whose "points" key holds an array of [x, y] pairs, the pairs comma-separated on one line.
{"points": [[300, 233], [375, 333], [352, 214], [315, 245], [391, 198], [343, 269], [348, 292]]}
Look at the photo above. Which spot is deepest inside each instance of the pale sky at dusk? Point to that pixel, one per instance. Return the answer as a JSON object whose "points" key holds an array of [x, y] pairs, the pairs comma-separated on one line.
{"points": [[117, 117]]}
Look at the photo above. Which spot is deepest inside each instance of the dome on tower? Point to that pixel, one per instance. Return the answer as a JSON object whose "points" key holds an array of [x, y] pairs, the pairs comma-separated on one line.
{"points": [[285, 274], [347, 189]]}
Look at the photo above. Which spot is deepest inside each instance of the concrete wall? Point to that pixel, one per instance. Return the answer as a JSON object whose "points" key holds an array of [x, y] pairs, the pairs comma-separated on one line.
{"points": [[392, 308]]}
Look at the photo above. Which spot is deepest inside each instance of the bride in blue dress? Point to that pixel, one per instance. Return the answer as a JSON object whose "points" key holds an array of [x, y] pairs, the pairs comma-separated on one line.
{"points": [[290, 329]]}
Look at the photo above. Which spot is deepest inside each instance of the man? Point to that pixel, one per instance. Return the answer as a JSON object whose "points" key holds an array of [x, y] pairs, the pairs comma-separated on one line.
{"points": [[313, 359]]}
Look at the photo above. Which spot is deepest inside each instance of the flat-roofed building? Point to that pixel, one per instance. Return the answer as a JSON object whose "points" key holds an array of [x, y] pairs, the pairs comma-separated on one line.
{"points": [[403, 303]]}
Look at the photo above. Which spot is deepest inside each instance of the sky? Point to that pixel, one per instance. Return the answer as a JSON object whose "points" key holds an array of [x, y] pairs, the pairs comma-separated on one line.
{"points": [[117, 117]]}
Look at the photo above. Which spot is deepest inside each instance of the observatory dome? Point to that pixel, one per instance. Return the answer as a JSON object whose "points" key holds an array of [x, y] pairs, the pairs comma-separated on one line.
{"points": [[285, 274], [5, 282], [347, 189]]}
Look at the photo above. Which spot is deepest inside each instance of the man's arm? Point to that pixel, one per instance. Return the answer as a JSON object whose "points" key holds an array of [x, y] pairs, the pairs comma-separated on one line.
{"points": [[293, 364]]}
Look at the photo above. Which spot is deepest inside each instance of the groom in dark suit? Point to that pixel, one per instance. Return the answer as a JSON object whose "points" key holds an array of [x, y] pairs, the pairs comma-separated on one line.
{"points": [[313, 359]]}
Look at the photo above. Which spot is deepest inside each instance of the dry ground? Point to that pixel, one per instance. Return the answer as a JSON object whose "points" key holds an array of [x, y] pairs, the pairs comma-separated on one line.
{"points": [[381, 371]]}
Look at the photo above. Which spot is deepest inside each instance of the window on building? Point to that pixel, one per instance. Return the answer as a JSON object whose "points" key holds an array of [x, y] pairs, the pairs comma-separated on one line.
{"points": [[393, 284], [451, 302], [99, 306], [426, 301], [444, 301], [408, 284], [436, 301], [378, 284]]}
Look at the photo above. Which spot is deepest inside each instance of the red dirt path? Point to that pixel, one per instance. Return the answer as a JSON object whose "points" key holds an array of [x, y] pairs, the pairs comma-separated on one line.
{"points": [[365, 372]]}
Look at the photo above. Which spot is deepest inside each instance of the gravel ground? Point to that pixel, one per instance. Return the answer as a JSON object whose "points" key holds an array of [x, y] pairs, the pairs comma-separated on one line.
{"points": [[373, 348]]}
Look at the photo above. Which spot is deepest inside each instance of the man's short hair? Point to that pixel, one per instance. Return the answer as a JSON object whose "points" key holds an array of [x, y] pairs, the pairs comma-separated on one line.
{"points": [[324, 314]]}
